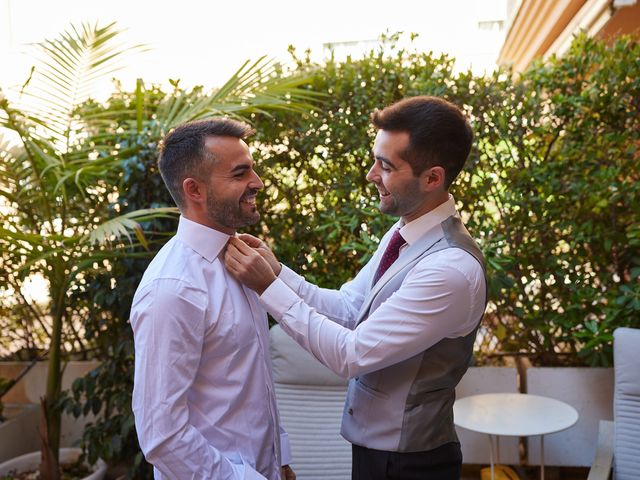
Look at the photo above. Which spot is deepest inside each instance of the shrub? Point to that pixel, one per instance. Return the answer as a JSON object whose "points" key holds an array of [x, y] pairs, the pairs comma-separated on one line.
{"points": [[558, 193], [550, 189]]}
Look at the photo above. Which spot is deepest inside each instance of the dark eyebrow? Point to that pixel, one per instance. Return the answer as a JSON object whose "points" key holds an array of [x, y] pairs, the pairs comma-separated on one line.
{"points": [[242, 167], [384, 160]]}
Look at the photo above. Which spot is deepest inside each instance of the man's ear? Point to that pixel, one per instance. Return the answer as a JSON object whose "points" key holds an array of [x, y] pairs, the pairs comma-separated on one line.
{"points": [[433, 178], [193, 190]]}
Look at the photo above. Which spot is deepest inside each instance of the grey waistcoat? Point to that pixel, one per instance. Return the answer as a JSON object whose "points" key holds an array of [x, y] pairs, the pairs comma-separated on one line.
{"points": [[408, 407]]}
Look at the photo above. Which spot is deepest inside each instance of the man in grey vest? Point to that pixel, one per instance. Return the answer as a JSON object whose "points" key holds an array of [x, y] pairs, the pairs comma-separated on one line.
{"points": [[403, 329]]}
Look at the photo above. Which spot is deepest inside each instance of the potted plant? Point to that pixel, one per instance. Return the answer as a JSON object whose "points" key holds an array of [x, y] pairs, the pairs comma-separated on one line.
{"points": [[55, 188]]}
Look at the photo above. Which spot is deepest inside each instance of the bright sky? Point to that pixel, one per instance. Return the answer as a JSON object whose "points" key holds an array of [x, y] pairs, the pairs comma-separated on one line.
{"points": [[204, 42]]}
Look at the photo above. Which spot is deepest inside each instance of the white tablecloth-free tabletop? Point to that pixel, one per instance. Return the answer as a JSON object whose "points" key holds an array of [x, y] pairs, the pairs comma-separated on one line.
{"points": [[513, 414]]}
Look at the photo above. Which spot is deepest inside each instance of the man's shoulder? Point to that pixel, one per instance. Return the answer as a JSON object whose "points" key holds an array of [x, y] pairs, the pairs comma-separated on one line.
{"points": [[171, 271], [454, 260], [167, 286], [166, 294]]}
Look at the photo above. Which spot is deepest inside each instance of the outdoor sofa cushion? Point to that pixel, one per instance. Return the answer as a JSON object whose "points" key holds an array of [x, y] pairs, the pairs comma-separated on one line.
{"points": [[310, 399]]}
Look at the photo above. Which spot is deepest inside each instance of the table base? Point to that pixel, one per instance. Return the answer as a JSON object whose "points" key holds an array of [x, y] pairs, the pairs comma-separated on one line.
{"points": [[497, 456]]}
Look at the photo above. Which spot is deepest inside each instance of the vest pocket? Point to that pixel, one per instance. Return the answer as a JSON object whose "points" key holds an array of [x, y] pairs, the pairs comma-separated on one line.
{"points": [[370, 390]]}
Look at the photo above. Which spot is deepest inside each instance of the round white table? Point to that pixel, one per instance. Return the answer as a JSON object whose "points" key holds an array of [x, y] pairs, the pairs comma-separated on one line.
{"points": [[515, 415]]}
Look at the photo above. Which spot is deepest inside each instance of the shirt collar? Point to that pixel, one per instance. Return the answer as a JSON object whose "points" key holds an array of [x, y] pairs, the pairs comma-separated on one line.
{"points": [[205, 241], [415, 229]]}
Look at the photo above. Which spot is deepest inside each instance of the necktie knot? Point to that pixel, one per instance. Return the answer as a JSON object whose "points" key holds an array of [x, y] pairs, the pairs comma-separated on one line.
{"points": [[390, 254]]}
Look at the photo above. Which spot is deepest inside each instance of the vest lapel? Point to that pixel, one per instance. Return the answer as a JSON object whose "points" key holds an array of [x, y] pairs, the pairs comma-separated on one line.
{"points": [[411, 254]]}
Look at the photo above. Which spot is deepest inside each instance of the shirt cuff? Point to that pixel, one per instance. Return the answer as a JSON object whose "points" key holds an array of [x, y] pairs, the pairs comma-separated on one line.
{"points": [[246, 472], [278, 298], [285, 449]]}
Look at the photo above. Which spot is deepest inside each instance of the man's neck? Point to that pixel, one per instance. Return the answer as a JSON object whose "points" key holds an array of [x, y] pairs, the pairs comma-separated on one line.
{"points": [[430, 203], [204, 220]]}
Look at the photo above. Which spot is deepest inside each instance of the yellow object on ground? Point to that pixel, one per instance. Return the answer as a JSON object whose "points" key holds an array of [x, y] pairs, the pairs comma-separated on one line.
{"points": [[500, 472]]}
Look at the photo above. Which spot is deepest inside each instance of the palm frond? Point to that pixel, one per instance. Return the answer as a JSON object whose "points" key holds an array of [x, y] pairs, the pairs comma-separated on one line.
{"points": [[254, 87], [122, 226], [70, 64], [25, 238]]}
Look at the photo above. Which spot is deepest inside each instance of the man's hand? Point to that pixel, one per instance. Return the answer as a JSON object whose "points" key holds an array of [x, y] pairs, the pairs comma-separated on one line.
{"points": [[263, 249], [288, 473], [248, 266]]}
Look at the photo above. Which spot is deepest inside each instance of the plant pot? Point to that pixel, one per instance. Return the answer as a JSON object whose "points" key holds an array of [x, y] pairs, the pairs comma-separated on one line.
{"points": [[31, 461], [33, 386], [19, 433]]}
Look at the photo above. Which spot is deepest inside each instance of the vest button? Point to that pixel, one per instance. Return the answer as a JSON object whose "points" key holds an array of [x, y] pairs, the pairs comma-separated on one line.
{"points": [[350, 411]]}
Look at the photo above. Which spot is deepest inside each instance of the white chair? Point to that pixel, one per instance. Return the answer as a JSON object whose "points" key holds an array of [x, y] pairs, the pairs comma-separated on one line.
{"points": [[310, 400], [619, 441]]}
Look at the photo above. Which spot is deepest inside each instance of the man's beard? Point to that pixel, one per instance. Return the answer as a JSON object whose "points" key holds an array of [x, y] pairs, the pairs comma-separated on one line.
{"points": [[230, 213]]}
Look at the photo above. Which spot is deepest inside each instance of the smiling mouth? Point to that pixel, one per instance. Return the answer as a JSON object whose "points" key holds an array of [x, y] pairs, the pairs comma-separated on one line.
{"points": [[249, 198], [383, 193]]}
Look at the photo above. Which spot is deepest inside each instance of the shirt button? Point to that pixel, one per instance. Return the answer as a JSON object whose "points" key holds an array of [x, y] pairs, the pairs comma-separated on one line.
{"points": [[350, 411]]}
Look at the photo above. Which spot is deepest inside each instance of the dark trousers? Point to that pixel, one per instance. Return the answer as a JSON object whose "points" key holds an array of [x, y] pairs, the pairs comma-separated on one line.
{"points": [[442, 463]]}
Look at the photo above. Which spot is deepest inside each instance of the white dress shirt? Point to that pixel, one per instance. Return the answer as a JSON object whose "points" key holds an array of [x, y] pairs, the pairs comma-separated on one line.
{"points": [[441, 297], [203, 396]]}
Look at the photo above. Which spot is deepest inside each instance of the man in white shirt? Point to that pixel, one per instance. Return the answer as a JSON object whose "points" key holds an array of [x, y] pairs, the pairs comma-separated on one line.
{"points": [[203, 396], [403, 329]]}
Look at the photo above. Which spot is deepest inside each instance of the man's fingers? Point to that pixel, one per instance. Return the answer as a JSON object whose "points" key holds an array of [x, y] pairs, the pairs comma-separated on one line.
{"points": [[263, 253], [230, 261], [288, 473], [239, 255], [241, 246], [248, 266], [234, 257], [232, 252], [253, 242]]}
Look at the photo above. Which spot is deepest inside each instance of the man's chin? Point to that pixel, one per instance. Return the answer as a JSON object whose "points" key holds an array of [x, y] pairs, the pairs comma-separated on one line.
{"points": [[386, 208], [239, 219], [251, 219], [248, 211]]}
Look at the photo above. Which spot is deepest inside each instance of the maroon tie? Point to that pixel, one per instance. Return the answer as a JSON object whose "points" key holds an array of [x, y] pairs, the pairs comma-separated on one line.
{"points": [[390, 254]]}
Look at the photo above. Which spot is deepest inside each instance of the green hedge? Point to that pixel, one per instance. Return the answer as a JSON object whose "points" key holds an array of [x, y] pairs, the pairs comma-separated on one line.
{"points": [[550, 190], [557, 203]]}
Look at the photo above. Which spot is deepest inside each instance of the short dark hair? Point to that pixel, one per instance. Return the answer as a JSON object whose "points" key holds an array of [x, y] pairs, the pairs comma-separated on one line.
{"points": [[439, 133], [183, 153]]}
